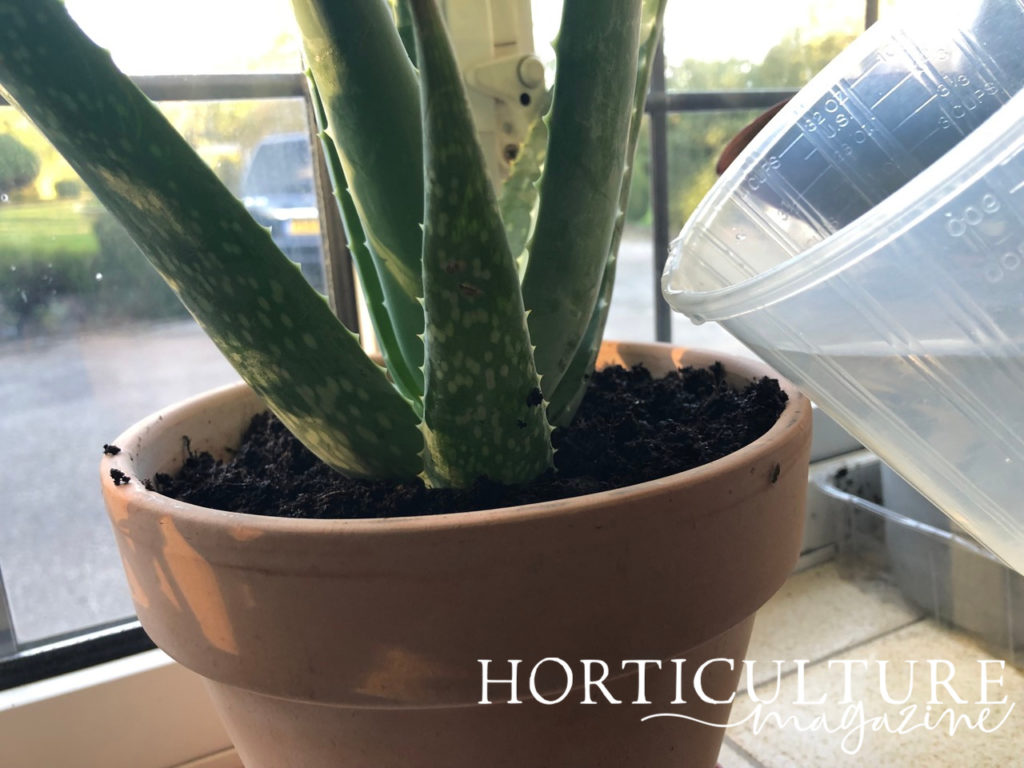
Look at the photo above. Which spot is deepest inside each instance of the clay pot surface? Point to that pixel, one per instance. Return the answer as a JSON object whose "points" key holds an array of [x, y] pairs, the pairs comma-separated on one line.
{"points": [[356, 643]]}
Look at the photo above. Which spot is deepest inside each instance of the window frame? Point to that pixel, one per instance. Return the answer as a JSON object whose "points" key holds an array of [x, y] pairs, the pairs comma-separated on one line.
{"points": [[25, 663]]}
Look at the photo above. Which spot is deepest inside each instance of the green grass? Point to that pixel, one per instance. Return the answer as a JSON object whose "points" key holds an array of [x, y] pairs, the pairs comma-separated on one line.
{"points": [[62, 226]]}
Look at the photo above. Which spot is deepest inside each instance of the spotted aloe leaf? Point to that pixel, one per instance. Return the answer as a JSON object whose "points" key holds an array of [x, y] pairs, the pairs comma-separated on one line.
{"points": [[369, 277], [277, 332], [370, 96], [581, 186], [483, 414], [518, 202], [571, 387]]}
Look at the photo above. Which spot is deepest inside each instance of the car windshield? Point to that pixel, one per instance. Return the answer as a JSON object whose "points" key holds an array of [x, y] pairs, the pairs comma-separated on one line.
{"points": [[280, 168]]}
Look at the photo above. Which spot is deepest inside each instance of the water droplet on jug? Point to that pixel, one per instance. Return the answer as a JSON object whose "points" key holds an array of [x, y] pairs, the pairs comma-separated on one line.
{"points": [[740, 236], [4, 198], [99, 276]]}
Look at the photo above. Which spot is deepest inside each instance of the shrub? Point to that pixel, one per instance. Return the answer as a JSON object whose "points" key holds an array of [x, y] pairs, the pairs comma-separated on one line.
{"points": [[31, 282], [68, 189], [19, 165], [98, 285], [129, 287]]}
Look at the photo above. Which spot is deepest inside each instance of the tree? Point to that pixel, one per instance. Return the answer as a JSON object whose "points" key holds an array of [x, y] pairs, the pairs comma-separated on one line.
{"points": [[792, 62], [19, 165], [695, 139]]}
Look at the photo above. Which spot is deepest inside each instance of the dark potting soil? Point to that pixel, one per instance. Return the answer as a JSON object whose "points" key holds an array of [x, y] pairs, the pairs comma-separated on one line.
{"points": [[630, 428]]}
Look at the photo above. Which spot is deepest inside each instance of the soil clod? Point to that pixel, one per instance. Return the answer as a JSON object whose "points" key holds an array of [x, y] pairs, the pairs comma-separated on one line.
{"points": [[535, 397]]}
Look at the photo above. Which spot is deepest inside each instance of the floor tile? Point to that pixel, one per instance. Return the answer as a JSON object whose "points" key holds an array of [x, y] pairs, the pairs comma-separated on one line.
{"points": [[732, 757], [823, 610]]}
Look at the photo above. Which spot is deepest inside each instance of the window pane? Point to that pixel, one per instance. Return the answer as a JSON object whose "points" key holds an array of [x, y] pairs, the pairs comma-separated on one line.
{"points": [[91, 340], [695, 140], [737, 44], [193, 36], [261, 150]]}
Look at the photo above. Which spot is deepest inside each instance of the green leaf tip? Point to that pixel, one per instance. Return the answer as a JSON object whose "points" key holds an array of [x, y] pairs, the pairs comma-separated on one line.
{"points": [[352, 48], [595, 81], [573, 384]]}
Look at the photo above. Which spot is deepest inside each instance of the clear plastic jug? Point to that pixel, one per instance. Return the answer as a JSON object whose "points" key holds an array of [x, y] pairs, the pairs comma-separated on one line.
{"points": [[869, 244]]}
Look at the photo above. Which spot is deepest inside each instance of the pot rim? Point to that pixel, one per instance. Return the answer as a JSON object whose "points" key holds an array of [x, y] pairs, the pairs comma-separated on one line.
{"points": [[134, 494]]}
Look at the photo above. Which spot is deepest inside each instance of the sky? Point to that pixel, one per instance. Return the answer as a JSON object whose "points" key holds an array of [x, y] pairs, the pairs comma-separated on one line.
{"points": [[715, 30], [218, 36], [149, 37]]}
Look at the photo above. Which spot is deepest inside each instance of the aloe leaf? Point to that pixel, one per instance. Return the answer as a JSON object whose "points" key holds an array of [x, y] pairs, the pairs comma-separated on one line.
{"points": [[570, 390], [279, 334], [567, 396], [370, 96], [579, 194], [518, 201], [409, 382], [483, 415], [403, 21]]}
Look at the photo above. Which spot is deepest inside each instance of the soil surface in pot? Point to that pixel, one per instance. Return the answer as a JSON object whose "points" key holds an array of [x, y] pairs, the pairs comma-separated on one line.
{"points": [[629, 428]]}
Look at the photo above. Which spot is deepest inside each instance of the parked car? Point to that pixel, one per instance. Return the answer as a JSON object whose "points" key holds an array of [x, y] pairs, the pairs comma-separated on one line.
{"points": [[278, 190]]}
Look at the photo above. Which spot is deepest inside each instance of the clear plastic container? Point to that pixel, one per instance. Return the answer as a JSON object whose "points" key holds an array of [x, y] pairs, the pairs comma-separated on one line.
{"points": [[870, 245]]}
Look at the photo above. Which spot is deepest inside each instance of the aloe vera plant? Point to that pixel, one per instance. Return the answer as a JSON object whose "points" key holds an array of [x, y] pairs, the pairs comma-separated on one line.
{"points": [[489, 312]]}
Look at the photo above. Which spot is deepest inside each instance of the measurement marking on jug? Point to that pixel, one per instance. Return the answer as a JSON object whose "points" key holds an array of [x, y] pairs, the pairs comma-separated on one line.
{"points": [[970, 97], [891, 91], [915, 113], [972, 215], [761, 173]]}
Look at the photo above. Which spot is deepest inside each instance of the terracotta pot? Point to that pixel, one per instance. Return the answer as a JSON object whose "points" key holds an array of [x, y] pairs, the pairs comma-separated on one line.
{"points": [[356, 643]]}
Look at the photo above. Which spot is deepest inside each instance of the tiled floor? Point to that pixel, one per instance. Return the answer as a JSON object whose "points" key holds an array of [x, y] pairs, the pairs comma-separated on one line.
{"points": [[835, 613]]}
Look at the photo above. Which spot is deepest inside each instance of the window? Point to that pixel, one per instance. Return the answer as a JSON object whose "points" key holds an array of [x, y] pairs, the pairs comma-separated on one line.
{"points": [[724, 64], [90, 340], [90, 337]]}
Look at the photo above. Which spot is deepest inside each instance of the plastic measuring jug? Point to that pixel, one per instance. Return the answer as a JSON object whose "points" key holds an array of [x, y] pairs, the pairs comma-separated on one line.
{"points": [[869, 243]]}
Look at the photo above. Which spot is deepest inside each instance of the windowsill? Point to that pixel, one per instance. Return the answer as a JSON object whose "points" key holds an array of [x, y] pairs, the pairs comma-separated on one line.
{"points": [[143, 711]]}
